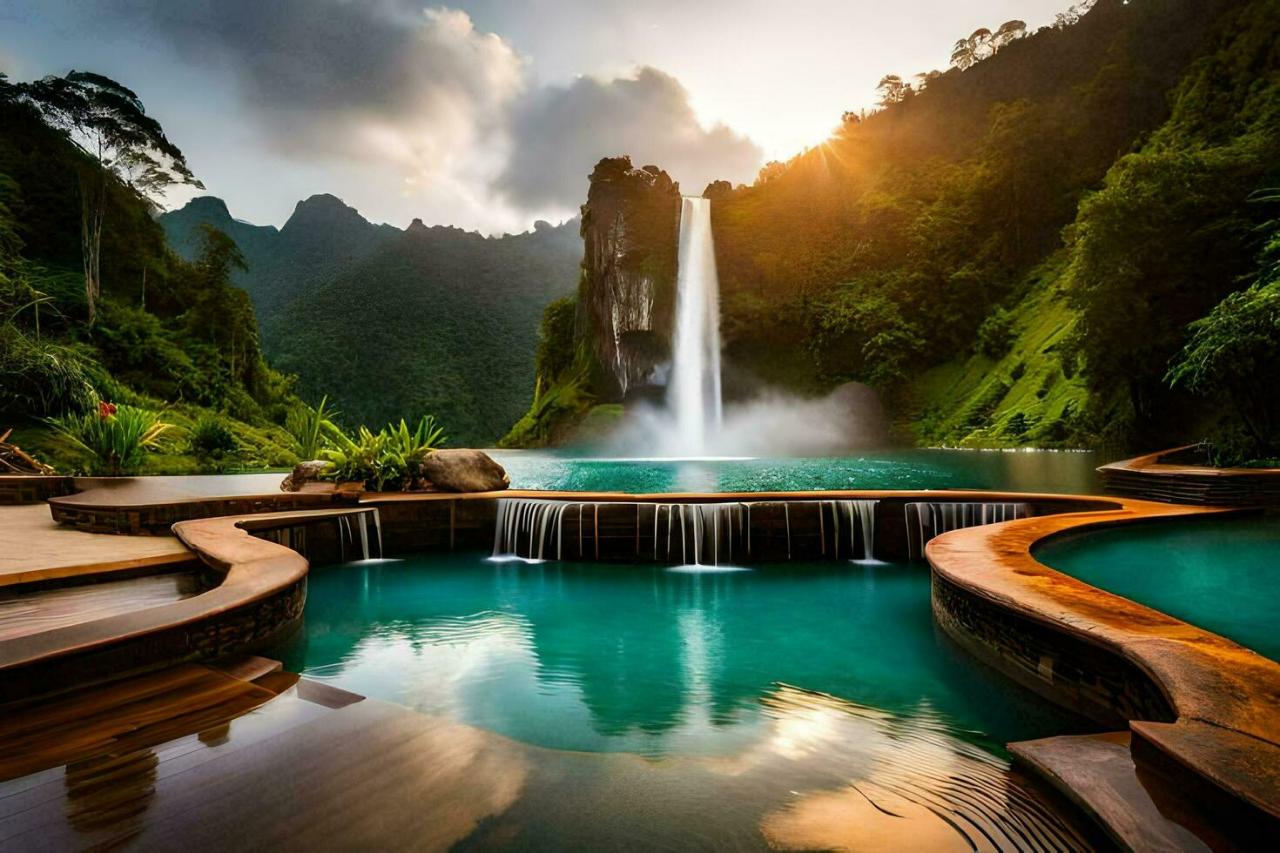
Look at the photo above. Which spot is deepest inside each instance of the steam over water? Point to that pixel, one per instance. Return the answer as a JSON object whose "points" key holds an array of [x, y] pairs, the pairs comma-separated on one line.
{"points": [[694, 393]]}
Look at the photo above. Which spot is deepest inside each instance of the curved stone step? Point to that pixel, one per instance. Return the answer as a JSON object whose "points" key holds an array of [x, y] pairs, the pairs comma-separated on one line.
{"points": [[1137, 809]]}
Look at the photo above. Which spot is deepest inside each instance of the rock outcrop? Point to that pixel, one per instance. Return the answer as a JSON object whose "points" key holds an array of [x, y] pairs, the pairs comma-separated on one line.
{"points": [[461, 470], [631, 233], [303, 473]]}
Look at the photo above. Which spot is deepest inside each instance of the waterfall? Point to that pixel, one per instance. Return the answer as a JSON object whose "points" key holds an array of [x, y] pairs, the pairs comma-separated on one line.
{"points": [[926, 520], [345, 533], [694, 393], [688, 534], [862, 512]]}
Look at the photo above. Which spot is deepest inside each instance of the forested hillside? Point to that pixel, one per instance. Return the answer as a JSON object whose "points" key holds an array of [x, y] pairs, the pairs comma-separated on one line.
{"points": [[392, 323], [1014, 251], [97, 313]]}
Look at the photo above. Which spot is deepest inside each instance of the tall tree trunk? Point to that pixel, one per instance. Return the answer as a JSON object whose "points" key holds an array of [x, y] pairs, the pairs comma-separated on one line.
{"points": [[93, 192]]}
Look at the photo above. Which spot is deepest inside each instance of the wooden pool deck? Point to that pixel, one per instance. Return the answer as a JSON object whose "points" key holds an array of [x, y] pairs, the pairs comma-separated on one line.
{"points": [[34, 547]]}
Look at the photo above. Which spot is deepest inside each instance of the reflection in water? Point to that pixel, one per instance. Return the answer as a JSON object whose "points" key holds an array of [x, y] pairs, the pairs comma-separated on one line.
{"points": [[111, 792], [907, 778], [639, 659], [793, 704]]}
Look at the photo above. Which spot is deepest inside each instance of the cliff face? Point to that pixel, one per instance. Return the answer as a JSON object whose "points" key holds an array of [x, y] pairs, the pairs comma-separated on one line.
{"points": [[630, 232]]}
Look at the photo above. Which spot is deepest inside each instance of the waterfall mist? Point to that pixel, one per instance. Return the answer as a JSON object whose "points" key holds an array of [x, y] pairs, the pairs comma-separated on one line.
{"points": [[773, 423], [694, 422]]}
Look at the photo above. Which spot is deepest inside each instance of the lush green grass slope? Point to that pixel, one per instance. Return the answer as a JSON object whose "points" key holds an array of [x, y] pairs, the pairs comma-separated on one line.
{"points": [[1019, 252]]}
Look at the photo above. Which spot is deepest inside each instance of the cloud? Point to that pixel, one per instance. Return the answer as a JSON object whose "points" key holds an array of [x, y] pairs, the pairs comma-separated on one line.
{"points": [[561, 131], [326, 78], [420, 103]]}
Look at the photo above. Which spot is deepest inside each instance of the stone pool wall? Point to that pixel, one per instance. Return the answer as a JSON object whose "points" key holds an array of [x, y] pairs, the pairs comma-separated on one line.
{"points": [[619, 528], [1092, 680]]}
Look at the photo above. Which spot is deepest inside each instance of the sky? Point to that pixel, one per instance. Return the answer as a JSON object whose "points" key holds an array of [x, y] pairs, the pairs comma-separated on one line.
{"points": [[486, 114]]}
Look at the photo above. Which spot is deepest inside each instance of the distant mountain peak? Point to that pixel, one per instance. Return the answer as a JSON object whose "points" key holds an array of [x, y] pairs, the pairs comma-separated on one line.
{"points": [[207, 207], [417, 226], [324, 210]]}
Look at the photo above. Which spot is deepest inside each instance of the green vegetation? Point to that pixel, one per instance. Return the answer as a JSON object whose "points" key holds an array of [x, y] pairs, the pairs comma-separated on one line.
{"points": [[391, 322], [94, 306], [312, 430], [114, 439], [560, 396], [387, 460], [1232, 357], [1016, 251]]}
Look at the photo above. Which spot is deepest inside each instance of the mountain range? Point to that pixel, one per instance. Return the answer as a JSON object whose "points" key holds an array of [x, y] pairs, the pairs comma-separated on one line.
{"points": [[393, 323]]}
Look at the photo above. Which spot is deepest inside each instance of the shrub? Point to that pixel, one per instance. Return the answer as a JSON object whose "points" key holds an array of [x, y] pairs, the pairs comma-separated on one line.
{"points": [[387, 459], [115, 438], [995, 335], [211, 438]]}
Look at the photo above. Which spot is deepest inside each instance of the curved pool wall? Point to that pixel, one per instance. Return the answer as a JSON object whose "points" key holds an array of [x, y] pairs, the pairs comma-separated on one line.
{"points": [[1222, 574], [1193, 708], [1224, 701]]}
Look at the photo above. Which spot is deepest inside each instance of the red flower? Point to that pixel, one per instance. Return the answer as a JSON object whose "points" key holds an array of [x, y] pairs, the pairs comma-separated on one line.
{"points": [[106, 410]]}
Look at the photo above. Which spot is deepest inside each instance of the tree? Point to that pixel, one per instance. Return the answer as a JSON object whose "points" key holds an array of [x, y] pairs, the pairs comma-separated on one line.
{"points": [[969, 51], [982, 43], [1234, 352], [1009, 31], [109, 124], [893, 90], [1072, 16]]}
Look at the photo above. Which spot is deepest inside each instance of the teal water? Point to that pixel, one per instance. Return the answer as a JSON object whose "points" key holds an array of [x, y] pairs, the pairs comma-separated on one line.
{"points": [[1023, 470], [1220, 574], [590, 707], [644, 660]]}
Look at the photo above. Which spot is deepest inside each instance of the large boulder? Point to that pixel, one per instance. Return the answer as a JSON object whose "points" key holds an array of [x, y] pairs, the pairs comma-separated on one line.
{"points": [[464, 471], [303, 473]]}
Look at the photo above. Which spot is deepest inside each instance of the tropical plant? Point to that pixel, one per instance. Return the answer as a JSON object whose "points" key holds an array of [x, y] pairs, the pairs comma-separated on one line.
{"points": [[116, 438], [388, 458], [360, 459], [312, 429], [411, 446]]}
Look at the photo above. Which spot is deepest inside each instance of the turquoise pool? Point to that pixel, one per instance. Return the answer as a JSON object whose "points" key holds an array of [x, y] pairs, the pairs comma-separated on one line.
{"points": [[1021, 470], [1220, 574], [752, 692]]}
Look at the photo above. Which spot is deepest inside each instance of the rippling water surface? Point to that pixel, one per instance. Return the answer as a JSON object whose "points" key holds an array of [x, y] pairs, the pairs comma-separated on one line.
{"points": [[815, 705], [1023, 470]]}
